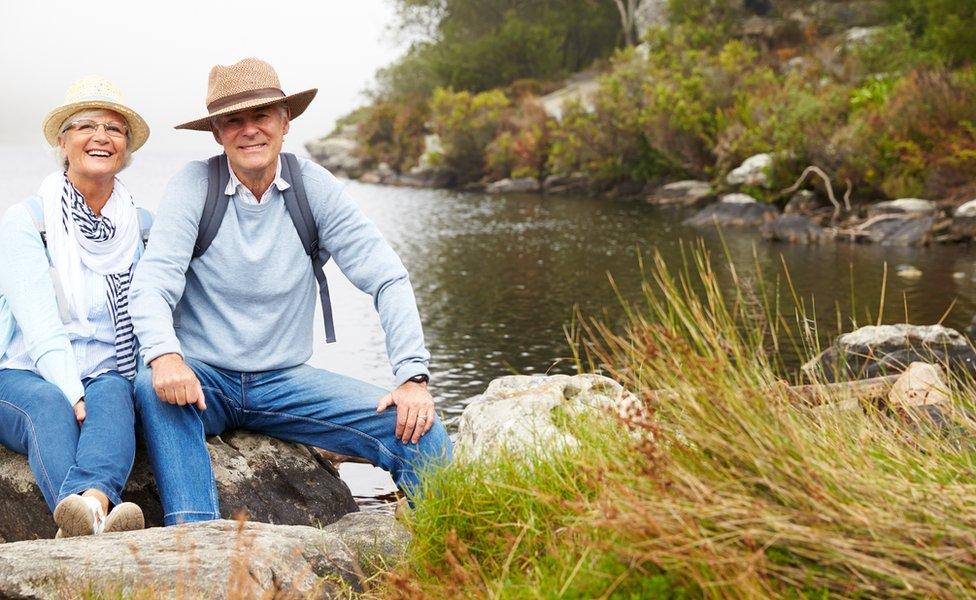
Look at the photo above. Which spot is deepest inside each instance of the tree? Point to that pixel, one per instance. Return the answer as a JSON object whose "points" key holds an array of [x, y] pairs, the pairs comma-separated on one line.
{"points": [[628, 10]]}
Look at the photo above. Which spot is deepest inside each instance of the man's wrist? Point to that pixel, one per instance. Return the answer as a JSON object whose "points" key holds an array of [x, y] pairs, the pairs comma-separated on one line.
{"points": [[169, 357], [421, 378]]}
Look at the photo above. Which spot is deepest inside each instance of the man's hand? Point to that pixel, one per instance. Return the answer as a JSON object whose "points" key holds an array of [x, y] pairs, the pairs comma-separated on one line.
{"points": [[175, 382], [80, 411], [415, 410]]}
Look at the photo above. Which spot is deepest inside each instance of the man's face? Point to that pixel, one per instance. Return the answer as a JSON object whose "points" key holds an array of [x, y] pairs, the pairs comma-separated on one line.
{"points": [[252, 138]]}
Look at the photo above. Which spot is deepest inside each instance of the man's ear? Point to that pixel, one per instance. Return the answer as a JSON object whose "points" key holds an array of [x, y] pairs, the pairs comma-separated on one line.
{"points": [[216, 135], [287, 125]]}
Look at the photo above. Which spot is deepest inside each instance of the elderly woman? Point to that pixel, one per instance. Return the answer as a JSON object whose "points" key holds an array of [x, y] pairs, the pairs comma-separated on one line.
{"points": [[67, 356]]}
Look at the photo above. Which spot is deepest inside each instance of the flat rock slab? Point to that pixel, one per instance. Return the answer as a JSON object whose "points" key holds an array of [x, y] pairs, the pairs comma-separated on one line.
{"points": [[216, 559], [733, 212], [273, 481]]}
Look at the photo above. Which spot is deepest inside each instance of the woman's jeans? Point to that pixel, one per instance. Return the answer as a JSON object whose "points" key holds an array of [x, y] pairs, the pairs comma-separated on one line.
{"points": [[300, 404], [36, 420]]}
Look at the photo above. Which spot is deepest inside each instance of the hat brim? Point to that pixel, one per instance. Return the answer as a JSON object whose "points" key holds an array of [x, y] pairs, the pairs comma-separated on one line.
{"points": [[138, 128], [297, 103]]}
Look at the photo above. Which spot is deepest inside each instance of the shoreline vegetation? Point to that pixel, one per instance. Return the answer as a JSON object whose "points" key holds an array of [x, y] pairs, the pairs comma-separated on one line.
{"points": [[846, 104], [726, 484]]}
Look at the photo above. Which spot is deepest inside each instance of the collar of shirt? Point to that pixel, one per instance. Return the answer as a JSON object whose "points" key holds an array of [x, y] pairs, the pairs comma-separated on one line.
{"points": [[234, 184]]}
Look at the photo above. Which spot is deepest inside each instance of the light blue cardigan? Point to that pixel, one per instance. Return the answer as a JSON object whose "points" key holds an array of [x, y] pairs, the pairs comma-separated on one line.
{"points": [[26, 290]]}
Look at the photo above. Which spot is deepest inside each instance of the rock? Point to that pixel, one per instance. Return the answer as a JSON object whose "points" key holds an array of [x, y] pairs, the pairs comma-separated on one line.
{"points": [[274, 481], [433, 148], [803, 202], [966, 210], [521, 412], [874, 351], [899, 230], [428, 177], [684, 193], [963, 228], [565, 184], [582, 88], [908, 272], [651, 13], [921, 391], [216, 559], [903, 206], [522, 185], [795, 229], [860, 36], [734, 210], [339, 153], [753, 172], [831, 16]]}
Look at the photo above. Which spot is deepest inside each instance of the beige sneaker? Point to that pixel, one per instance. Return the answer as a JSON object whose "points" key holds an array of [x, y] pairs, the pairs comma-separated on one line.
{"points": [[77, 515], [124, 517]]}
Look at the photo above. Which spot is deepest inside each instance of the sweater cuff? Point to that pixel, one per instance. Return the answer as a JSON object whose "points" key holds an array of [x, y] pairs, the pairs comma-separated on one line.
{"points": [[151, 354], [409, 370], [57, 367]]}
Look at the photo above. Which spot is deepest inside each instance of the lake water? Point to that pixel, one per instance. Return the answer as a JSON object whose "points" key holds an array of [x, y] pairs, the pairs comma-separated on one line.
{"points": [[497, 278]]}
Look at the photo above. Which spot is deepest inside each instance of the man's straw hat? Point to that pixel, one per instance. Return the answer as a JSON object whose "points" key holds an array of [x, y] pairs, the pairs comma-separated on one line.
{"points": [[92, 92], [250, 83]]}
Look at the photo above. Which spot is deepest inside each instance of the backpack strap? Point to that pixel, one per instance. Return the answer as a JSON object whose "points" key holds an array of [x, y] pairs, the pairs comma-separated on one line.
{"points": [[296, 201], [215, 205], [36, 210]]}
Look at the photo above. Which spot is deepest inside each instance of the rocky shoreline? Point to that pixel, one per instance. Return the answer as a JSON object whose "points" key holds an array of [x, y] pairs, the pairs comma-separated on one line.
{"points": [[806, 216]]}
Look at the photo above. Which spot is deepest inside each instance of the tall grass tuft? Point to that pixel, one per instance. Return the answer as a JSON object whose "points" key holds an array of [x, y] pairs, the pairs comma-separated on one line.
{"points": [[731, 490]]}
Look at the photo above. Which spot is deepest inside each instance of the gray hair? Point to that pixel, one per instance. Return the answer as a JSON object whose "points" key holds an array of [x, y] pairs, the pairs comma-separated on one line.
{"points": [[84, 114]]}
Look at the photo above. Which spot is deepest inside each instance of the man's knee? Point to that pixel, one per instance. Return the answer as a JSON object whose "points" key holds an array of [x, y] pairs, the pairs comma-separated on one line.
{"points": [[436, 445]]}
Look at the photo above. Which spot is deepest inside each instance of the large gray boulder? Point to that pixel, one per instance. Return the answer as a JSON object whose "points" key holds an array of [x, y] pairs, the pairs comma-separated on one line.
{"points": [[217, 559], [874, 351], [754, 171], [273, 481], [522, 185], [898, 229], [794, 229], [338, 152], [683, 193], [915, 207], [522, 413], [734, 210]]}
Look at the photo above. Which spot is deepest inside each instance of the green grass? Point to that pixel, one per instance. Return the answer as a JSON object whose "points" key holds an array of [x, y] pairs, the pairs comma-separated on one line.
{"points": [[729, 489]]}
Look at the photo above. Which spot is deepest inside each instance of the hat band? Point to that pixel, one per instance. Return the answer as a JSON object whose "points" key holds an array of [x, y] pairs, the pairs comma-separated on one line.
{"points": [[261, 94]]}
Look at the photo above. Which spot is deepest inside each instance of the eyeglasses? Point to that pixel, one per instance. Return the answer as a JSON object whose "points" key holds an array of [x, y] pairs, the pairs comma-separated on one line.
{"points": [[89, 127]]}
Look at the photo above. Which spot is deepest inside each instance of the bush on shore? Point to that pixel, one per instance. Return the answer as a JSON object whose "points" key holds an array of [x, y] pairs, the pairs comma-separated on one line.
{"points": [[731, 490]]}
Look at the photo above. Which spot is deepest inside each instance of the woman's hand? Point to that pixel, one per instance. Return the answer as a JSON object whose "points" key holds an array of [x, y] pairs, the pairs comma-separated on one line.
{"points": [[80, 411]]}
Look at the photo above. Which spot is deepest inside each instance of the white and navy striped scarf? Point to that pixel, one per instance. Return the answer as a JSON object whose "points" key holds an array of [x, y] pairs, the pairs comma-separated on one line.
{"points": [[100, 229]]}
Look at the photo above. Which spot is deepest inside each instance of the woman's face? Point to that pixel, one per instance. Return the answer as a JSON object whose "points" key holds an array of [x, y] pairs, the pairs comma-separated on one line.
{"points": [[95, 144]]}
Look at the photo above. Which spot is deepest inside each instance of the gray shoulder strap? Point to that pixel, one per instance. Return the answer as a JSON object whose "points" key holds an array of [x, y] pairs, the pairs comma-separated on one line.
{"points": [[36, 210], [296, 201], [215, 204]]}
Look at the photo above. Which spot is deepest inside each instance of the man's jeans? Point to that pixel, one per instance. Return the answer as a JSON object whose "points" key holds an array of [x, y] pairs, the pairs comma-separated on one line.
{"points": [[36, 420], [300, 404]]}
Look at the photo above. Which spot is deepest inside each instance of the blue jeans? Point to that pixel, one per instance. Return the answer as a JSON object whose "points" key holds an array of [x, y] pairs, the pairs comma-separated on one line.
{"points": [[300, 404], [36, 420]]}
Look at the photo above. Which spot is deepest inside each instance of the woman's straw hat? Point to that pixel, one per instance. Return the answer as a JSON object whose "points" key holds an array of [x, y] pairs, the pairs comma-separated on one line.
{"points": [[250, 83], [95, 92]]}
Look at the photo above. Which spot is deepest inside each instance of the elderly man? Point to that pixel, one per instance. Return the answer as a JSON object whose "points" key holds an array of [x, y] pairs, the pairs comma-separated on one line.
{"points": [[223, 311]]}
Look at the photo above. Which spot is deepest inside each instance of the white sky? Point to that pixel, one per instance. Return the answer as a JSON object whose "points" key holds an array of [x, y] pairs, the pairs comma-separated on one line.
{"points": [[160, 53]]}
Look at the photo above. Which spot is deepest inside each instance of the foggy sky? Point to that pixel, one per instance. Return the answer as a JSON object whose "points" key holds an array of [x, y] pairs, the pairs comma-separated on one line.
{"points": [[160, 53]]}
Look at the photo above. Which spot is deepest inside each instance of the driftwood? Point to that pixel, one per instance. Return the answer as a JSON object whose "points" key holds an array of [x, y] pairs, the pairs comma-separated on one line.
{"points": [[830, 189]]}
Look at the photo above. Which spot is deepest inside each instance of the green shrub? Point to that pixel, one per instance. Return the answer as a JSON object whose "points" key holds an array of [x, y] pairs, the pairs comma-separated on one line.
{"points": [[393, 132], [467, 123]]}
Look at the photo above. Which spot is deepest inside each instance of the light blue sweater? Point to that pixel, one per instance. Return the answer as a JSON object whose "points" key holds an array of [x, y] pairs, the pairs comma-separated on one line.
{"points": [[247, 304], [32, 335]]}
